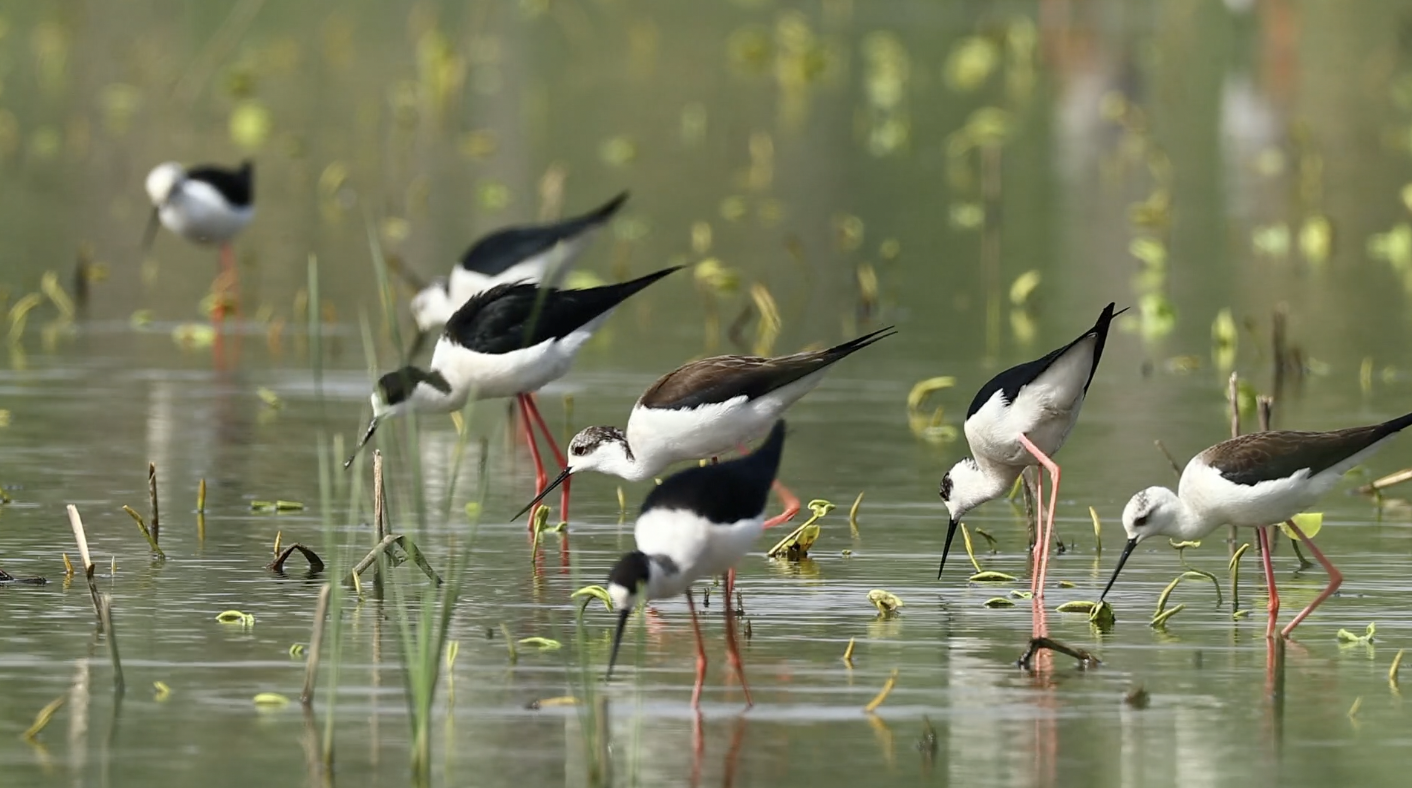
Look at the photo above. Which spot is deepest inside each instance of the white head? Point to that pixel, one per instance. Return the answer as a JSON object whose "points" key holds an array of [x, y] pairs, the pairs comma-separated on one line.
{"points": [[161, 180], [432, 307], [606, 450], [962, 489], [1153, 512]]}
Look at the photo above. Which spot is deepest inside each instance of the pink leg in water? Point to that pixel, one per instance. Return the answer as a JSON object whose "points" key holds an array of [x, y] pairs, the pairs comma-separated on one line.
{"points": [[1262, 535], [700, 654], [1047, 532], [533, 412], [1335, 580], [732, 648], [541, 480]]}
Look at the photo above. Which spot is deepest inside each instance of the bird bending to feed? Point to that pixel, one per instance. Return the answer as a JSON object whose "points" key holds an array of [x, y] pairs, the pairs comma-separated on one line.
{"points": [[204, 205], [695, 525], [1255, 480], [534, 253], [1019, 418], [508, 341], [704, 409]]}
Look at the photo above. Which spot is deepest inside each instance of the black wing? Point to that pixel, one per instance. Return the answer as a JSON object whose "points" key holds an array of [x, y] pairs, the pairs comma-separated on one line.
{"points": [[723, 378], [727, 492], [237, 186], [1262, 456], [518, 315], [1010, 381], [501, 250]]}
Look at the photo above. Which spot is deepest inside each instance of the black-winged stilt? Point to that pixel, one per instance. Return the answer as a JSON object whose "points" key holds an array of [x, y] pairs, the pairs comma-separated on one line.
{"points": [[508, 341], [1019, 418], [206, 205], [704, 409], [1255, 480], [535, 253], [697, 524]]}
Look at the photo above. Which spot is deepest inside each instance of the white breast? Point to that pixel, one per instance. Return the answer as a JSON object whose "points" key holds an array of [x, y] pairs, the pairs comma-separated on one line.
{"points": [[495, 375], [197, 212], [699, 548]]}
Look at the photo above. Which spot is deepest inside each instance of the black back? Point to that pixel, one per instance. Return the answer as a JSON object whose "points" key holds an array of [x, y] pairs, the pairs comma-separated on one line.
{"points": [[1262, 456], [726, 492], [1010, 381], [724, 378], [499, 251], [512, 316], [237, 186]]}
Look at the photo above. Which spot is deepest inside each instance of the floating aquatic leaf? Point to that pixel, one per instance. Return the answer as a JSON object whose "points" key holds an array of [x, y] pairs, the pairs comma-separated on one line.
{"points": [[41, 720], [991, 577], [1066, 584], [162, 691], [236, 617], [271, 700], [473, 510], [194, 335], [999, 601], [886, 602], [1077, 606], [929, 426], [1394, 246], [49, 285], [1103, 617], [1344, 636], [617, 151], [543, 644], [545, 703], [597, 592], [1316, 238], [296, 650], [714, 276], [882, 695], [250, 124], [269, 397], [1157, 315], [1160, 620], [140, 318], [1023, 287], [276, 506], [966, 214], [1309, 522], [1271, 240], [971, 63], [1018, 594], [1150, 251]]}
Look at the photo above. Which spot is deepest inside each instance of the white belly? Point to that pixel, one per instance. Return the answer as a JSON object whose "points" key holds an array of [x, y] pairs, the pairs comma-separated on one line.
{"points": [[198, 213], [492, 376], [699, 549], [993, 432]]}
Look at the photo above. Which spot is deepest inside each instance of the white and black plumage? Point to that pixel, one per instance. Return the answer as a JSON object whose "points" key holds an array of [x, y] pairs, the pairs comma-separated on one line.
{"points": [[508, 341], [1255, 480], [535, 253], [1021, 417], [697, 524], [205, 205], [705, 409]]}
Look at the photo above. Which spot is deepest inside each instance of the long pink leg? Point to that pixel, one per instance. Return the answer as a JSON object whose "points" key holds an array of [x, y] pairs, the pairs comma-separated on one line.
{"points": [[1048, 530], [1263, 537], [1039, 542], [541, 480], [732, 648], [228, 276], [533, 410], [700, 653], [1335, 579]]}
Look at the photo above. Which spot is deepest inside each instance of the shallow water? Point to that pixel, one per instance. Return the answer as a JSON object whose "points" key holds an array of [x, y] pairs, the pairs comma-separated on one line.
{"points": [[793, 112]]}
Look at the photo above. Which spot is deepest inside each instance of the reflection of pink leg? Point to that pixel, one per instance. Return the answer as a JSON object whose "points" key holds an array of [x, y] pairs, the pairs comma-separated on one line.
{"points": [[732, 648], [1263, 537], [1335, 580], [700, 654], [533, 411], [1048, 530]]}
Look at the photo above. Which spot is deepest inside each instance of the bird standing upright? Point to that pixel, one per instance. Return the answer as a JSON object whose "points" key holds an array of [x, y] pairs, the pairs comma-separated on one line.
{"points": [[204, 205], [1021, 417], [704, 409], [533, 253], [1255, 480], [508, 341], [697, 524]]}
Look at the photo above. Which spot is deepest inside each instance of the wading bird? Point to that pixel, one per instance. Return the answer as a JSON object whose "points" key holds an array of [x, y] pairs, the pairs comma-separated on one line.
{"points": [[535, 253], [205, 205], [697, 524], [1255, 480], [508, 341], [705, 409], [1019, 418]]}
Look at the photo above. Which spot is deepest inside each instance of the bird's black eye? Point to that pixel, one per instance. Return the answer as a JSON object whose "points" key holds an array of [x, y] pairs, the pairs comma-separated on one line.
{"points": [[946, 487]]}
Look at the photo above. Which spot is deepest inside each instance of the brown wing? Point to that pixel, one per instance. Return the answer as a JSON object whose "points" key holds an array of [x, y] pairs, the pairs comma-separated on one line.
{"points": [[1263, 456]]}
